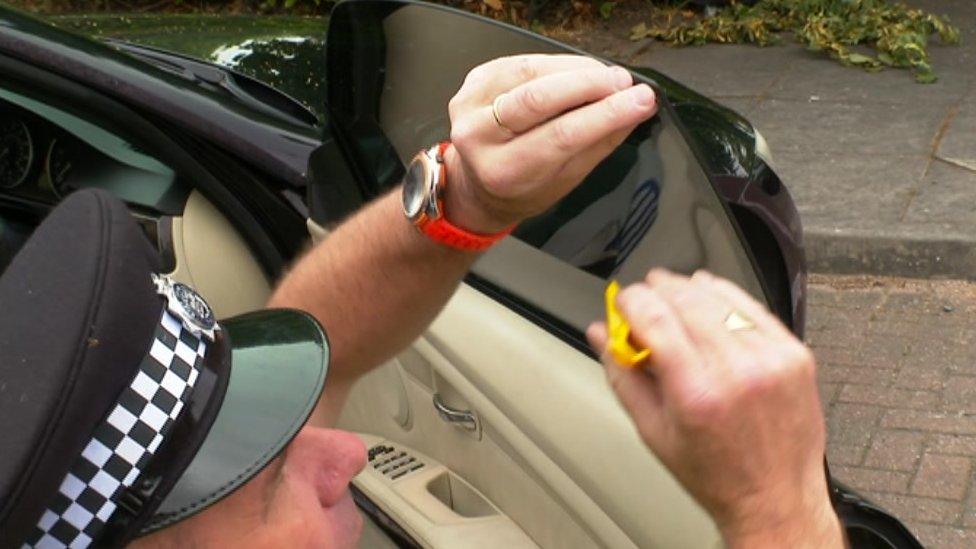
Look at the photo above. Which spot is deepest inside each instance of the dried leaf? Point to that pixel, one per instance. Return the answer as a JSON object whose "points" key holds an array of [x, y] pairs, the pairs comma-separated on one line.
{"points": [[638, 32], [494, 4]]}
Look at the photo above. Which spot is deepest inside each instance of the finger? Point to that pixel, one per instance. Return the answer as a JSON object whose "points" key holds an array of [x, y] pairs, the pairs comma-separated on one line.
{"points": [[701, 311], [765, 321], [635, 389], [498, 76], [582, 164], [561, 139], [596, 334], [654, 325], [641, 396], [534, 102]]}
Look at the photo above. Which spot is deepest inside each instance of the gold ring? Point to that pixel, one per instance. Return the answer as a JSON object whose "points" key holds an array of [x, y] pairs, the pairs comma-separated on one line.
{"points": [[737, 321], [494, 113]]}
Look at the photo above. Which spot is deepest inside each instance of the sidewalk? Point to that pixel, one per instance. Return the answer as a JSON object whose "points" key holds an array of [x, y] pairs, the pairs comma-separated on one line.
{"points": [[897, 372], [883, 169]]}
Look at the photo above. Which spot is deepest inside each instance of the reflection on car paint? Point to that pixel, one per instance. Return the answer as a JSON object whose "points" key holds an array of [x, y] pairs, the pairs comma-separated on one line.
{"points": [[290, 64]]}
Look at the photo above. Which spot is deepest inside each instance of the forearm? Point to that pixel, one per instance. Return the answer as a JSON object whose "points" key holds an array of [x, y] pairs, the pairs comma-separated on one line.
{"points": [[817, 531], [374, 284], [800, 517]]}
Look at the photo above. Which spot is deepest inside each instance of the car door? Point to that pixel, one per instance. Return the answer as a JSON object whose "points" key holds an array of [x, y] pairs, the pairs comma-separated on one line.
{"points": [[497, 428]]}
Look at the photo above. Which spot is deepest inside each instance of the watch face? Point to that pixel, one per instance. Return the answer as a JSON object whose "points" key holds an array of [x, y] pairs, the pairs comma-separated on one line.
{"points": [[414, 189], [195, 309]]}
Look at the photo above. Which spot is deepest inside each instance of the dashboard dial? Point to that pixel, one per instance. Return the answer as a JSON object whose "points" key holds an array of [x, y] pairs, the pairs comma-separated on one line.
{"points": [[59, 163], [16, 152]]}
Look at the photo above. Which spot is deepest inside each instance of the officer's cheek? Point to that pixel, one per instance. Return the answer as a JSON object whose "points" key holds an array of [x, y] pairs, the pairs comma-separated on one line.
{"points": [[310, 503]]}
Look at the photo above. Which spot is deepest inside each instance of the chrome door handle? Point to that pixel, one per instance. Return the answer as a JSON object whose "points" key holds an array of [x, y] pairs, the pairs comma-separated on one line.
{"points": [[465, 419]]}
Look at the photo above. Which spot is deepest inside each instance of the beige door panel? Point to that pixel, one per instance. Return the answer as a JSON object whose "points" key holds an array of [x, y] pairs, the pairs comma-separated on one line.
{"points": [[553, 449], [213, 258], [376, 406]]}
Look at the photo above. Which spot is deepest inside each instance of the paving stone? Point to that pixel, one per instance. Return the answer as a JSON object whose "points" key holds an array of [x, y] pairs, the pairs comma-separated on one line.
{"points": [[953, 444], [946, 200], [742, 105], [875, 480], [960, 394], [969, 510], [938, 511], [837, 321], [849, 423], [888, 396], [853, 374], [920, 377], [844, 454], [936, 536], [936, 422], [845, 129], [828, 392], [945, 477], [845, 189], [721, 70], [895, 450], [882, 350], [828, 299]]}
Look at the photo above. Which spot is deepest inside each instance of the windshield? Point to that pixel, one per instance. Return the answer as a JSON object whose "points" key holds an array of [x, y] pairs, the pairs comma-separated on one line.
{"points": [[287, 53]]}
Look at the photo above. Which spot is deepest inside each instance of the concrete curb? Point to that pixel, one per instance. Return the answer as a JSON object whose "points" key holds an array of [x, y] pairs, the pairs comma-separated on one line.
{"points": [[835, 252]]}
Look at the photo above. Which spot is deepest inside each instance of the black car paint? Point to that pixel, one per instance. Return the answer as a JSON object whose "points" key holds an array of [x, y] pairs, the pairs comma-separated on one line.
{"points": [[294, 153], [270, 144]]}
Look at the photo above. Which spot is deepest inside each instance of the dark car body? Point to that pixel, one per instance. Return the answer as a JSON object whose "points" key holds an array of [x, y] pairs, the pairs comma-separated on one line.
{"points": [[272, 163]]}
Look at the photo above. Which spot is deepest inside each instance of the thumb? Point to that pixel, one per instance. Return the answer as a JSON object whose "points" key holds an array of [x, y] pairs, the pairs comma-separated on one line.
{"points": [[636, 390]]}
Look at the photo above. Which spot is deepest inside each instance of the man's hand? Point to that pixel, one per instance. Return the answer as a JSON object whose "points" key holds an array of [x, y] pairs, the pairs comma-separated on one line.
{"points": [[735, 415], [562, 115]]}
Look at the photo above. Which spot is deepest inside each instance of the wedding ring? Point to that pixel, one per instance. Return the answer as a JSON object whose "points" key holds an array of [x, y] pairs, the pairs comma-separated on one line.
{"points": [[494, 113], [737, 321]]}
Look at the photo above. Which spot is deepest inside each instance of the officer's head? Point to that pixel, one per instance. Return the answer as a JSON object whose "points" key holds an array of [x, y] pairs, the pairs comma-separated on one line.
{"points": [[127, 410]]}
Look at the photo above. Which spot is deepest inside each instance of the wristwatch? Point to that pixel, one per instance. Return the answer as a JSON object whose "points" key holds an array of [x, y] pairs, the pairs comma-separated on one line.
{"points": [[424, 186]]}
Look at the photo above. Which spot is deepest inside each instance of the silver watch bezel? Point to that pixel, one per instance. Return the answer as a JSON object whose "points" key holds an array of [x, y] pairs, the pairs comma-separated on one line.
{"points": [[430, 186], [169, 289]]}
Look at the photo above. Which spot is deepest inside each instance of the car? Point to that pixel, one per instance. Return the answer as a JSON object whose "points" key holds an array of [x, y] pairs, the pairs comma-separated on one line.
{"points": [[497, 426]]}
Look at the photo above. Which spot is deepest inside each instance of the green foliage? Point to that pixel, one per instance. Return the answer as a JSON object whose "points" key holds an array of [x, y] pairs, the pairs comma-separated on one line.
{"points": [[897, 34], [292, 7], [289, 4]]}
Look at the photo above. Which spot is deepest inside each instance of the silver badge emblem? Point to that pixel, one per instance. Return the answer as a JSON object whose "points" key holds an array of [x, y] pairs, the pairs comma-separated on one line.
{"points": [[186, 304]]}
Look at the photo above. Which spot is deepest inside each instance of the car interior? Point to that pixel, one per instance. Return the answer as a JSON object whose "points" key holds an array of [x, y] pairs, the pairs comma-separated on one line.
{"points": [[496, 428]]}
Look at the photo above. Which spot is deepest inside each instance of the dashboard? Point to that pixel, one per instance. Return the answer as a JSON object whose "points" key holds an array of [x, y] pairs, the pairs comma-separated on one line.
{"points": [[47, 153], [37, 159]]}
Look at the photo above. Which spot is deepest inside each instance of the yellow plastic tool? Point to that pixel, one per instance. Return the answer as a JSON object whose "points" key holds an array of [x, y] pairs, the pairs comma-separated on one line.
{"points": [[618, 344]]}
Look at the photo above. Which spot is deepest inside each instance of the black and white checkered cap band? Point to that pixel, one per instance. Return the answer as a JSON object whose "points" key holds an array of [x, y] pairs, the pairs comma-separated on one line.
{"points": [[125, 441]]}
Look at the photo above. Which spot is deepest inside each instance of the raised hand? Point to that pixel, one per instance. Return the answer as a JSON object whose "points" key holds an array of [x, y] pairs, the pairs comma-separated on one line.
{"points": [[728, 402], [527, 129]]}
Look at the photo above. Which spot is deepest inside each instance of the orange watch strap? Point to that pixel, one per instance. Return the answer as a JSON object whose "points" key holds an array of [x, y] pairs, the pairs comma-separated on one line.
{"points": [[443, 231]]}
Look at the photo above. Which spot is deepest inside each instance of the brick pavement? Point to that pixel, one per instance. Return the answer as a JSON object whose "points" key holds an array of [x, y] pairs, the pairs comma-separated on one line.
{"points": [[898, 382]]}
